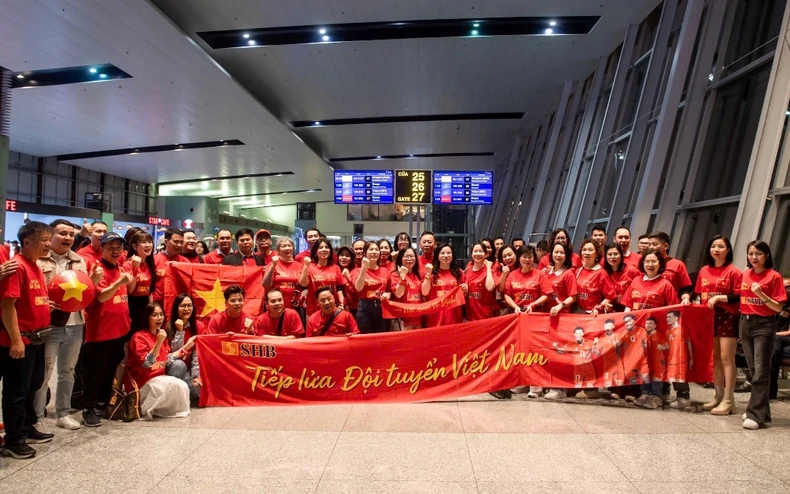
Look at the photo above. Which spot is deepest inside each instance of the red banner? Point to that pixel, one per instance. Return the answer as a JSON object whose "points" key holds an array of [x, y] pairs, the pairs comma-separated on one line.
{"points": [[394, 310], [205, 284], [570, 351]]}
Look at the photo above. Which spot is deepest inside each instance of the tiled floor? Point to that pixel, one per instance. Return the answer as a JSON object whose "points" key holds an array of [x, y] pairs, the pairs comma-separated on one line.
{"points": [[471, 445]]}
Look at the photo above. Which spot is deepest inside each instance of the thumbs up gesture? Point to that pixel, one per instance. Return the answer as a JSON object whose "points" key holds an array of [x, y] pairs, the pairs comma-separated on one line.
{"points": [[96, 274]]}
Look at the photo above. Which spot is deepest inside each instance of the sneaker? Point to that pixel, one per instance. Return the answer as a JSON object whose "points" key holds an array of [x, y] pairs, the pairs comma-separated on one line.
{"points": [[630, 398], [535, 393], [751, 425], [652, 403], [640, 402], [614, 396], [19, 451], [744, 387], [744, 417], [505, 394], [34, 436], [680, 403], [68, 422], [555, 394], [90, 419], [588, 394]]}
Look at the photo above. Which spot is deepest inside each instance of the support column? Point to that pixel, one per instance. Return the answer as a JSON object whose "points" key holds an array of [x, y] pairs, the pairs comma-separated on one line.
{"points": [[659, 148], [533, 210], [530, 183], [602, 147], [766, 147], [633, 153], [5, 127]]}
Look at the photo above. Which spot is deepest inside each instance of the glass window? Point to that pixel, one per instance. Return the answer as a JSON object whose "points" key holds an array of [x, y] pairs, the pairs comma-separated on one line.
{"points": [[701, 225], [780, 241]]}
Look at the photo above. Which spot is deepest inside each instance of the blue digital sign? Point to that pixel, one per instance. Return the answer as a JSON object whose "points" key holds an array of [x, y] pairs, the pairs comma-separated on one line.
{"points": [[364, 187], [469, 188]]}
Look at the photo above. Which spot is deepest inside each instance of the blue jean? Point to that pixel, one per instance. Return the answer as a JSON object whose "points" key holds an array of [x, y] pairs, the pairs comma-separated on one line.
{"points": [[21, 377], [655, 388], [369, 317], [757, 337], [179, 369], [63, 345]]}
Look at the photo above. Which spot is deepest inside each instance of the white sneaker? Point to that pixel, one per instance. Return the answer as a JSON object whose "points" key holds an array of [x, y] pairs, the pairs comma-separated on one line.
{"points": [[68, 422], [751, 425], [744, 417], [556, 394]]}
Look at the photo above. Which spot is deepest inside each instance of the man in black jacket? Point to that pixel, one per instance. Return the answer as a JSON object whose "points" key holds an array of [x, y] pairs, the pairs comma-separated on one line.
{"points": [[245, 255]]}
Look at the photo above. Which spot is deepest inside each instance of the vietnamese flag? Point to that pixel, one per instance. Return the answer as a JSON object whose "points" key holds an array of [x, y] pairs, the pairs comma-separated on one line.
{"points": [[205, 284]]}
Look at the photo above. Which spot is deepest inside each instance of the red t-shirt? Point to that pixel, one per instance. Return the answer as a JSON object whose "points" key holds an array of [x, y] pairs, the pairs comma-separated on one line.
{"points": [[650, 294], [376, 282], [594, 286], [677, 274], [387, 266], [443, 282], [480, 302], [545, 261], [108, 320], [194, 258], [90, 256], [350, 294], [632, 259], [216, 256], [143, 277], [28, 286], [5, 254], [141, 344], [268, 257], [422, 261], [772, 286], [292, 324], [300, 256], [412, 295], [319, 276], [286, 279], [221, 323], [525, 289], [564, 286], [343, 324], [161, 262], [622, 280], [724, 280]]}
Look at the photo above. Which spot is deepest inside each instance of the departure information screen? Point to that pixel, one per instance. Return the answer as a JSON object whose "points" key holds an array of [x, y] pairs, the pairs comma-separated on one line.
{"points": [[469, 188], [363, 187], [413, 186]]}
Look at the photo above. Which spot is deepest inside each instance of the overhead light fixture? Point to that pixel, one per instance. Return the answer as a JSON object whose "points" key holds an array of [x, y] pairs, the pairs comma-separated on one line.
{"points": [[67, 75], [474, 32], [92, 70], [251, 42], [103, 76], [552, 23], [378, 157], [20, 76], [710, 77], [316, 123], [246, 36], [476, 24], [149, 149], [322, 31], [549, 30], [325, 38]]}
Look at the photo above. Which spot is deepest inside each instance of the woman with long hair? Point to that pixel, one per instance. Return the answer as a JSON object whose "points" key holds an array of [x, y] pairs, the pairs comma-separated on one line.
{"points": [[345, 261], [140, 262], [488, 245], [481, 298], [385, 254], [507, 259], [319, 269], [370, 281], [441, 277], [402, 240], [719, 287], [284, 273], [762, 297], [406, 284], [620, 274], [651, 291], [181, 327]]}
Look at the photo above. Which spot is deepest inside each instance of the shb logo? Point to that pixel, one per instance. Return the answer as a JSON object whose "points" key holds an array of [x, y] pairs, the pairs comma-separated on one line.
{"points": [[230, 348], [255, 350]]}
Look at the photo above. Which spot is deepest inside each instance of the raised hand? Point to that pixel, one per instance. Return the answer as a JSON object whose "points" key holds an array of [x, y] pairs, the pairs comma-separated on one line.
{"points": [[365, 262], [345, 273], [96, 274], [179, 325], [136, 261], [275, 260], [161, 335], [505, 270], [488, 263], [403, 271], [307, 261], [428, 269]]}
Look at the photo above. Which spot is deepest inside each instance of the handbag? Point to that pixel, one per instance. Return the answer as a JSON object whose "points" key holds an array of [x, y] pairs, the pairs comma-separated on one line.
{"points": [[123, 405]]}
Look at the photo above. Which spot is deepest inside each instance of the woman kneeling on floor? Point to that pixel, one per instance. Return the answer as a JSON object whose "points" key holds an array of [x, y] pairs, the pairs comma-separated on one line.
{"points": [[150, 364]]}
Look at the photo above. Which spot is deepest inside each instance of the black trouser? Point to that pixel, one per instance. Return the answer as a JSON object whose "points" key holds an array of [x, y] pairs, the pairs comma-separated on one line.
{"points": [[22, 378], [683, 390], [369, 317], [781, 352], [101, 359], [757, 337]]}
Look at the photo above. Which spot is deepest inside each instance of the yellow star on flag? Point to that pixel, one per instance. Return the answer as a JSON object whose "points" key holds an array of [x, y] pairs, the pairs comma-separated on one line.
{"points": [[214, 299], [73, 288]]}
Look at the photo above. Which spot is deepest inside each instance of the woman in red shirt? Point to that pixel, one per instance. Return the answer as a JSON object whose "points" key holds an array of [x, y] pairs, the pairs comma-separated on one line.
{"points": [[345, 261], [762, 297], [140, 262], [319, 270], [370, 282], [596, 290], [507, 263], [385, 254], [620, 274], [406, 284], [284, 272], [719, 287], [181, 327], [149, 362], [562, 279], [402, 240], [527, 288], [480, 299], [438, 282], [560, 236], [651, 291]]}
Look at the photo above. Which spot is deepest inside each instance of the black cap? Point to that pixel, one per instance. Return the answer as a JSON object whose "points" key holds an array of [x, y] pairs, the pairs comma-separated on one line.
{"points": [[111, 237]]}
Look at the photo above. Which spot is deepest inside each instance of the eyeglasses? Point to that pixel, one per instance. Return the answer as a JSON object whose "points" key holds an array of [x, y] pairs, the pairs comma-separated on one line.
{"points": [[185, 306], [408, 257]]}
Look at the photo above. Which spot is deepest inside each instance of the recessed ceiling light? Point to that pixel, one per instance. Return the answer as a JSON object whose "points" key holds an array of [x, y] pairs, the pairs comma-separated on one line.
{"points": [[246, 35], [251, 42], [378, 157], [20, 76], [474, 32], [316, 123], [552, 23], [476, 24], [103, 76], [411, 156], [322, 31], [92, 71], [325, 38], [549, 30]]}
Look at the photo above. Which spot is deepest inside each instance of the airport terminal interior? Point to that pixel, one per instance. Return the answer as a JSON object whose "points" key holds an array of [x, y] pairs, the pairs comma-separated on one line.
{"points": [[310, 159]]}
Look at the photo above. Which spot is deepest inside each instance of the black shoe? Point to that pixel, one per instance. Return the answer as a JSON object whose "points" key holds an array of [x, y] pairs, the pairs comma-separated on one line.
{"points": [[19, 451], [34, 436], [90, 419], [504, 394]]}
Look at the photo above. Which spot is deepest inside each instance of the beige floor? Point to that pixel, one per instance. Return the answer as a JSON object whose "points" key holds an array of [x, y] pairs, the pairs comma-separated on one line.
{"points": [[471, 445]]}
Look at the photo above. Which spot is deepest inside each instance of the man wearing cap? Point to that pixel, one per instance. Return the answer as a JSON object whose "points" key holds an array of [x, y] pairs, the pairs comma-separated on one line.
{"points": [[263, 240], [106, 328], [245, 256]]}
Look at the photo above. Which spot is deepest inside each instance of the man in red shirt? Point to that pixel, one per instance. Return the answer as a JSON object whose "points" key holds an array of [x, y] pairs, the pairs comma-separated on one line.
{"points": [[245, 255], [359, 252], [263, 240], [278, 320], [233, 319], [311, 236], [92, 252], [330, 321], [622, 236], [106, 327], [25, 311], [174, 241], [427, 245], [224, 241], [190, 244]]}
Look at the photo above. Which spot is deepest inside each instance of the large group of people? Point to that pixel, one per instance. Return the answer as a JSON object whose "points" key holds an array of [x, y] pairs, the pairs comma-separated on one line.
{"points": [[324, 291]]}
